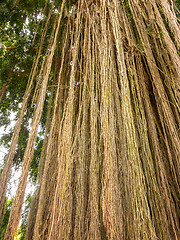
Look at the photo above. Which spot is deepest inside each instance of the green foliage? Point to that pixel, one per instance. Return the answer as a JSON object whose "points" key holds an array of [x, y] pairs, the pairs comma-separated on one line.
{"points": [[18, 23], [177, 9], [5, 217], [16, 56], [36, 158]]}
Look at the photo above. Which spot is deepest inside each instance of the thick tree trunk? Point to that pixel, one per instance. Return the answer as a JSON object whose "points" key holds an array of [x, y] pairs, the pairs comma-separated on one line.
{"points": [[111, 169]]}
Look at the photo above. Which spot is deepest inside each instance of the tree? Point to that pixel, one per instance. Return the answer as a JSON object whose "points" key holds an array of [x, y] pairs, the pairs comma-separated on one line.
{"points": [[109, 165]]}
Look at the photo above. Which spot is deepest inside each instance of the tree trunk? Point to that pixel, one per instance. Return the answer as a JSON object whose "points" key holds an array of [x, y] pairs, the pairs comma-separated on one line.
{"points": [[111, 169]]}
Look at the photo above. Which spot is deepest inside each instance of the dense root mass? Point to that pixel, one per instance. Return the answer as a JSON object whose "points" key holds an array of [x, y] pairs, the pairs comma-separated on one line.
{"points": [[110, 162]]}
